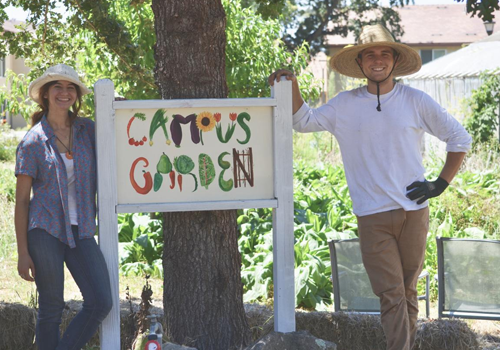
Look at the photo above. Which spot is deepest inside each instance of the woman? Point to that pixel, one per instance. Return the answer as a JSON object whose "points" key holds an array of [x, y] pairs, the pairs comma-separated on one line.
{"points": [[56, 159]]}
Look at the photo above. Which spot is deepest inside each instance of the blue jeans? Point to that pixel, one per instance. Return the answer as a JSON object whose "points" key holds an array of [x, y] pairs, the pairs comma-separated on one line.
{"points": [[88, 268]]}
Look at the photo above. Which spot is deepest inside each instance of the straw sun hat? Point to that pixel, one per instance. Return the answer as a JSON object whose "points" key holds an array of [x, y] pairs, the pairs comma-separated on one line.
{"points": [[344, 61], [54, 73]]}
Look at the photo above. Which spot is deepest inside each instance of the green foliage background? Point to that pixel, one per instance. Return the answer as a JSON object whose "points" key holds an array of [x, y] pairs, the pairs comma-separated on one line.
{"points": [[323, 211], [115, 40], [482, 123]]}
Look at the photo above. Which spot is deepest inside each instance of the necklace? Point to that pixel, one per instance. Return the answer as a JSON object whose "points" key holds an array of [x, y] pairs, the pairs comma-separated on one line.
{"points": [[68, 149]]}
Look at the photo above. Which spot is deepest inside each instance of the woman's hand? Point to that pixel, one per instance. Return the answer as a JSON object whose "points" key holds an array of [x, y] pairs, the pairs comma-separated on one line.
{"points": [[26, 268]]}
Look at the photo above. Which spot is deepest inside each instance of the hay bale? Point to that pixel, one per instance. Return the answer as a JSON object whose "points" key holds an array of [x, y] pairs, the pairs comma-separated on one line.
{"points": [[445, 334], [260, 320], [127, 321], [350, 331], [17, 327]]}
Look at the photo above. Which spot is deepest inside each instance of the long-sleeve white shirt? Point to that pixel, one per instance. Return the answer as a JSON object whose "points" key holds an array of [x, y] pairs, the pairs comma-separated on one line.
{"points": [[381, 151]]}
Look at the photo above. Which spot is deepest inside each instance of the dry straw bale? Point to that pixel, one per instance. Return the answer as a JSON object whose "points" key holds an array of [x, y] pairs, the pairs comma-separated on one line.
{"points": [[17, 327], [260, 320], [350, 331], [445, 334]]}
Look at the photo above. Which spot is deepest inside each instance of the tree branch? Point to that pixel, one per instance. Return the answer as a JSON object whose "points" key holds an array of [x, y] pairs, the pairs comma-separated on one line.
{"points": [[99, 11], [45, 26], [330, 7]]}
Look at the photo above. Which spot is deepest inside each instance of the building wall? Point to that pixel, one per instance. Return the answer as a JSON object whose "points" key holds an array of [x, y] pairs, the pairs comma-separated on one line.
{"points": [[449, 48], [16, 65]]}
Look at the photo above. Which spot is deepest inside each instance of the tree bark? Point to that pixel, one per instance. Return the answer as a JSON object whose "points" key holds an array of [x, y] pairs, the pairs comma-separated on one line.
{"points": [[203, 292]]}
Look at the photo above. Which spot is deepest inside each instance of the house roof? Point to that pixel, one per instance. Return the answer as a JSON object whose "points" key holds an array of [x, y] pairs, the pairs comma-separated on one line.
{"points": [[431, 25], [470, 61], [10, 25]]}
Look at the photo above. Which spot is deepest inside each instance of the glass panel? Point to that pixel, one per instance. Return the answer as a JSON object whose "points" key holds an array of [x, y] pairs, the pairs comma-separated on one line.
{"points": [[355, 290], [471, 276], [438, 53], [2, 66], [426, 56]]}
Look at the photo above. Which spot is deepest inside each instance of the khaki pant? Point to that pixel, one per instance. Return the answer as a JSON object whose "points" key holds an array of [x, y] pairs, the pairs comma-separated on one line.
{"points": [[393, 250]]}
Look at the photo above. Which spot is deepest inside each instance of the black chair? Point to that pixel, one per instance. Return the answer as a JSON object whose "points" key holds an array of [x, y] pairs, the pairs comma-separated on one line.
{"points": [[352, 290], [468, 278]]}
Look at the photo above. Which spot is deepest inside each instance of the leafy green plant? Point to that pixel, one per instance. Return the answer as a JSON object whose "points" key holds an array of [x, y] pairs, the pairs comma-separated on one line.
{"points": [[7, 233], [140, 245], [8, 144], [7, 184], [469, 208], [321, 214], [484, 103]]}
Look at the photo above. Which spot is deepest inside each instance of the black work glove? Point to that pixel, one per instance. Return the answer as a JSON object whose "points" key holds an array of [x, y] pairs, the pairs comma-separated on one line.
{"points": [[426, 189]]}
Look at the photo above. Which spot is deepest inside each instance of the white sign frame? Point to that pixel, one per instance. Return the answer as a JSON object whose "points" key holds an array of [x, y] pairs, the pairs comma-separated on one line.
{"points": [[282, 203]]}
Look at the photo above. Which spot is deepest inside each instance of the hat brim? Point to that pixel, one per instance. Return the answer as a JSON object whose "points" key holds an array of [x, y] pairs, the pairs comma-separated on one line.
{"points": [[344, 62], [35, 86]]}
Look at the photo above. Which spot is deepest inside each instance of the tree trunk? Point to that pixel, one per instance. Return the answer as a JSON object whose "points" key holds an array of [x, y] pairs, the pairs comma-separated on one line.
{"points": [[202, 295]]}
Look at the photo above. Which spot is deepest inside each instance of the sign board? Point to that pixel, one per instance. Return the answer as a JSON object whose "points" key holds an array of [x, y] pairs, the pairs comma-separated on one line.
{"points": [[194, 154], [189, 155]]}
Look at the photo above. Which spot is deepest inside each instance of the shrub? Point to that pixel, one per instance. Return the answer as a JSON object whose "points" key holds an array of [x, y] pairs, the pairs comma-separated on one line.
{"points": [[8, 144], [485, 101]]}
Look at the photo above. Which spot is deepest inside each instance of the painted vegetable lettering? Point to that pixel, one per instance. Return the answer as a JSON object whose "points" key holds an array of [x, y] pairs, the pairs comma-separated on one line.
{"points": [[164, 165], [229, 131], [147, 177], [223, 184], [205, 122], [159, 121], [176, 129], [158, 180], [172, 179], [241, 121], [206, 170], [131, 140], [184, 165]]}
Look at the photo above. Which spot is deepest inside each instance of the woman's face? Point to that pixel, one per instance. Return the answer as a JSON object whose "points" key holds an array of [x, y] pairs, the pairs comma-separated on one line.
{"points": [[61, 95]]}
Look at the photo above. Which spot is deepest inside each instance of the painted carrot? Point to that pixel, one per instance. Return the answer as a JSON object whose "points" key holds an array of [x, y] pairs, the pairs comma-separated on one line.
{"points": [[179, 181], [129, 125], [172, 179]]}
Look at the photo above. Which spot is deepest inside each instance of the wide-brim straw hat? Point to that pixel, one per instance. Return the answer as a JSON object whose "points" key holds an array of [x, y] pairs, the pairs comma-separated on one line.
{"points": [[344, 61], [54, 73]]}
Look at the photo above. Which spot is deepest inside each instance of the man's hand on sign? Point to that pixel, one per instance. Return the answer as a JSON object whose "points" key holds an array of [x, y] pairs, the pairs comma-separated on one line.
{"points": [[297, 100], [281, 73]]}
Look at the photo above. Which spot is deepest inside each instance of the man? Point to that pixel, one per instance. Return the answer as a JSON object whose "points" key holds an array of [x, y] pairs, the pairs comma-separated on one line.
{"points": [[380, 128]]}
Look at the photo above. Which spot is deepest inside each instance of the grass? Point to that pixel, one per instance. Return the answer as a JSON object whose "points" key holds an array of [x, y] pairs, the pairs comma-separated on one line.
{"points": [[8, 144], [15, 290]]}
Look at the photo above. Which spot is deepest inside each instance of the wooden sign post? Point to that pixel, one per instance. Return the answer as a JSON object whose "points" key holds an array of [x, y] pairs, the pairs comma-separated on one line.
{"points": [[191, 155]]}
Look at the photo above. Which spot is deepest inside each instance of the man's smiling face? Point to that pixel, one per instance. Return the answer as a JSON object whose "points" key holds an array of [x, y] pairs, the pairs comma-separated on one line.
{"points": [[377, 62]]}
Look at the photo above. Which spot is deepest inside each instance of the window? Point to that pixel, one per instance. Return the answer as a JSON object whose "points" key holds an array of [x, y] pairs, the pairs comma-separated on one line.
{"points": [[432, 54], [2, 66]]}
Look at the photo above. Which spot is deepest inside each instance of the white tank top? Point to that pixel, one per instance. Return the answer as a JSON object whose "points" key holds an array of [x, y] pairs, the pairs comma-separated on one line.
{"points": [[70, 172]]}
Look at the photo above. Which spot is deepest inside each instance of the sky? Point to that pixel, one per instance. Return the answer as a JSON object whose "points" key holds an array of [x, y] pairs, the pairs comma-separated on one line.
{"points": [[16, 13], [19, 14]]}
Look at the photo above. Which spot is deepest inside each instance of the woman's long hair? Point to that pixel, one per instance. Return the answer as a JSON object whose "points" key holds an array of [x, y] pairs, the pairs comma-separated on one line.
{"points": [[44, 104]]}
